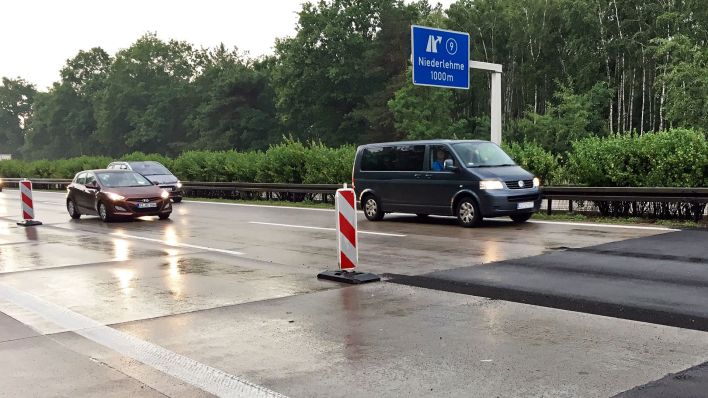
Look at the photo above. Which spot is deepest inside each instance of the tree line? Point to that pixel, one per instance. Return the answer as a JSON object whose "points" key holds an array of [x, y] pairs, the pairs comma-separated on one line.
{"points": [[572, 69]]}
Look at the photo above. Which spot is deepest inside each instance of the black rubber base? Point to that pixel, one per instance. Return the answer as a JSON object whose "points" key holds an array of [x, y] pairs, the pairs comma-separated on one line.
{"points": [[29, 223], [351, 277]]}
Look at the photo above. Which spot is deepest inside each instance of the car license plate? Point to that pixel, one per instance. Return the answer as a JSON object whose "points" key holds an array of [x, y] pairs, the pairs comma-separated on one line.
{"points": [[146, 205], [525, 205]]}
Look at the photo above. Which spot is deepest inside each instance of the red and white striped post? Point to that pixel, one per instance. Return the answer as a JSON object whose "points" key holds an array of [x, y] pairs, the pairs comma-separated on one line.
{"points": [[345, 204], [347, 241], [27, 204]]}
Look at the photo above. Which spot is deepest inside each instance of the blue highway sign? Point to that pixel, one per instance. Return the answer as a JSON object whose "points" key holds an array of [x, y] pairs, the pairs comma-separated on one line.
{"points": [[440, 57]]}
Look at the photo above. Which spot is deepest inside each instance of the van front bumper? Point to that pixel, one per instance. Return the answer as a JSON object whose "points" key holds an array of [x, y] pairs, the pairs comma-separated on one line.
{"points": [[505, 202]]}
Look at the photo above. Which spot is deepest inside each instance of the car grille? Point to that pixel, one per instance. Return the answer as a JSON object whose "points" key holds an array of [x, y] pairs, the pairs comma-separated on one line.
{"points": [[515, 184], [141, 199], [524, 198]]}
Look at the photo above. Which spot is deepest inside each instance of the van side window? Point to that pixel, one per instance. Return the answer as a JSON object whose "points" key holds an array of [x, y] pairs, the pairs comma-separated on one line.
{"points": [[438, 155], [393, 158]]}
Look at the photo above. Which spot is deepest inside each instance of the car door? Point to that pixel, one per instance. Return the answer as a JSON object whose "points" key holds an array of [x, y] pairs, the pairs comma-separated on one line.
{"points": [[438, 186], [78, 191], [407, 172]]}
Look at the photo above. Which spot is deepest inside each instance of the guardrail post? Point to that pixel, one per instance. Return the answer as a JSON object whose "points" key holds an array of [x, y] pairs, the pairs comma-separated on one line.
{"points": [[570, 206], [550, 202]]}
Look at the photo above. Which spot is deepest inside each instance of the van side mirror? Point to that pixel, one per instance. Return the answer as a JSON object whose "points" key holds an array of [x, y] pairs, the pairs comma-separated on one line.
{"points": [[449, 165], [93, 185]]}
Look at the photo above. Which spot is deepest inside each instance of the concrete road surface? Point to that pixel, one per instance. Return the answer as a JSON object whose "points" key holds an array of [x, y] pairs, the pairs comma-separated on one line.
{"points": [[223, 300]]}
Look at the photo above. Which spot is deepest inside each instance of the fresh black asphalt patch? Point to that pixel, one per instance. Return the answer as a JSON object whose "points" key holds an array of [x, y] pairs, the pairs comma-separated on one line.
{"points": [[690, 383], [661, 279]]}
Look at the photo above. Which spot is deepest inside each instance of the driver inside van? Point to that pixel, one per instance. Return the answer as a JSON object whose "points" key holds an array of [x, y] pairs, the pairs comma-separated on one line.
{"points": [[439, 162]]}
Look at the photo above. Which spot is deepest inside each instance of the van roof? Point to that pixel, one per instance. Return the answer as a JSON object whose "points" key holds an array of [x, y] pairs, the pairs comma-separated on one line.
{"points": [[420, 142]]}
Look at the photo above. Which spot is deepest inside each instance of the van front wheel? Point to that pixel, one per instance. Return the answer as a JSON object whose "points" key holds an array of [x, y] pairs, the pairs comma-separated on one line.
{"points": [[468, 214], [372, 208]]}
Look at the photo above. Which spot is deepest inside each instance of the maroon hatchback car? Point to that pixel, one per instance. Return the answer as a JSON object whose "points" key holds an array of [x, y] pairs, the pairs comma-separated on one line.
{"points": [[112, 194]]}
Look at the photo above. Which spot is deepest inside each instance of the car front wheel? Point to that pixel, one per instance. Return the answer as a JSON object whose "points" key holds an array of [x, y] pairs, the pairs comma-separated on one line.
{"points": [[71, 208], [468, 214], [103, 213]]}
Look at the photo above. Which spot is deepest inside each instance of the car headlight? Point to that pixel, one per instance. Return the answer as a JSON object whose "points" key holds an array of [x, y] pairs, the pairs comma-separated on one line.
{"points": [[536, 182], [491, 184], [165, 194], [179, 185], [114, 196]]}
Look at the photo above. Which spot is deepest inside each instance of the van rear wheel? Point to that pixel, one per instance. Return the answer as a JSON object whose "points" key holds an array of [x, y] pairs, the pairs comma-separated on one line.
{"points": [[468, 214], [372, 208]]}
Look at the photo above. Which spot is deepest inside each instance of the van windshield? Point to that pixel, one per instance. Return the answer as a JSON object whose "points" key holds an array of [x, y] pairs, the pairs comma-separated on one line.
{"points": [[482, 154]]}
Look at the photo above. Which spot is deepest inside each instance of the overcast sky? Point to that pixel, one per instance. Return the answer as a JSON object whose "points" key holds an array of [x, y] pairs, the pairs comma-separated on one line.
{"points": [[38, 36]]}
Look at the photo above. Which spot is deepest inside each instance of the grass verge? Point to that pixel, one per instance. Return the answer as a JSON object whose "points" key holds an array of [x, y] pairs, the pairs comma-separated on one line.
{"points": [[577, 217]]}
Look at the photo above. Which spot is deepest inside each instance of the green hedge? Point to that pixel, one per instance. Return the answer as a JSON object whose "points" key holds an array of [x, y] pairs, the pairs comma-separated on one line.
{"points": [[288, 162], [537, 160], [676, 157]]}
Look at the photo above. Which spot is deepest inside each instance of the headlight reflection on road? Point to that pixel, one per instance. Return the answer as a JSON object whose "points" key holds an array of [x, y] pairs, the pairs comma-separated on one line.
{"points": [[491, 252], [171, 237], [174, 277], [121, 250], [125, 276]]}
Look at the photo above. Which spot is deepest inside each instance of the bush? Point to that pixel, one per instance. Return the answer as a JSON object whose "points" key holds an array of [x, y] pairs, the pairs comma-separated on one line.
{"points": [[328, 165], [284, 163], [673, 158], [537, 160]]}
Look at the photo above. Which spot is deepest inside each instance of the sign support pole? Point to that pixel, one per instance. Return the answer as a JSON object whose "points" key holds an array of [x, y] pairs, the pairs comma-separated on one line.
{"points": [[496, 114]]}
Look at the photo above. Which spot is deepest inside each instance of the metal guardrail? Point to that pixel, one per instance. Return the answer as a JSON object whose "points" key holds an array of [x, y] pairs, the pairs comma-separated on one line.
{"points": [[697, 196]]}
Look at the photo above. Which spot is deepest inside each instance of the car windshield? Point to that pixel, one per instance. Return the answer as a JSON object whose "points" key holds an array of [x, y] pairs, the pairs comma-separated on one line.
{"points": [[482, 154], [149, 168], [126, 179]]}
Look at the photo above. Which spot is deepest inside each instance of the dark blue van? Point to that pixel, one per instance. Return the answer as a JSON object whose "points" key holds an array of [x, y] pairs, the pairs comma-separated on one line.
{"points": [[467, 179]]}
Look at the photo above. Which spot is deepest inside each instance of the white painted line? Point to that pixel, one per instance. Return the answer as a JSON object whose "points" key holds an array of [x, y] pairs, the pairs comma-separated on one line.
{"points": [[323, 228], [252, 205], [580, 224], [202, 376], [175, 244]]}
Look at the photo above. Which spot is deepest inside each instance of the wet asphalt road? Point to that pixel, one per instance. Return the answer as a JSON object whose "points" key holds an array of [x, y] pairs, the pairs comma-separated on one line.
{"points": [[233, 289]]}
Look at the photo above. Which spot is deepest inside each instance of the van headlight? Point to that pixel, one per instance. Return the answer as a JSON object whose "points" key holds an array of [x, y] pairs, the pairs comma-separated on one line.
{"points": [[164, 194], [536, 182], [491, 184], [179, 185]]}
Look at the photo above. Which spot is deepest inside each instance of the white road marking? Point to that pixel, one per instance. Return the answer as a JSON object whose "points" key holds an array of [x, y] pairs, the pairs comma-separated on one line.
{"points": [[580, 224], [323, 228], [176, 244], [252, 205], [202, 376]]}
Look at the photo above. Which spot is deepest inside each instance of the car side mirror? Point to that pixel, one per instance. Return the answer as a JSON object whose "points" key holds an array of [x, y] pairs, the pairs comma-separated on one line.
{"points": [[449, 165], [93, 185], [155, 183]]}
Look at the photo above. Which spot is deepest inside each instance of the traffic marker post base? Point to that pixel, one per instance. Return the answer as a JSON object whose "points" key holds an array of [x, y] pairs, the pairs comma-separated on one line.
{"points": [[351, 277], [29, 223], [347, 242]]}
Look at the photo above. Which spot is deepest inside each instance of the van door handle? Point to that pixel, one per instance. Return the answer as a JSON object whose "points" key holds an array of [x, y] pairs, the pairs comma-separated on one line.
{"points": [[428, 176], [417, 175]]}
